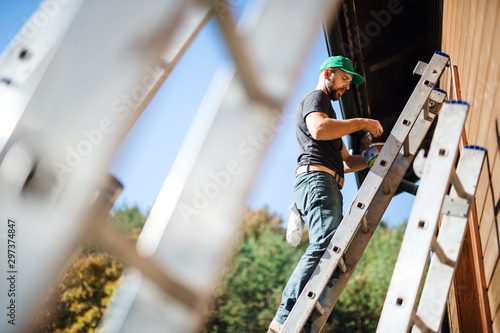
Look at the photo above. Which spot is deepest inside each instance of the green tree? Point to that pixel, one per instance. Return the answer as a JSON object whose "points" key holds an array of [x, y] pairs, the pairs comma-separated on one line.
{"points": [[251, 288], [81, 297], [128, 219], [250, 291]]}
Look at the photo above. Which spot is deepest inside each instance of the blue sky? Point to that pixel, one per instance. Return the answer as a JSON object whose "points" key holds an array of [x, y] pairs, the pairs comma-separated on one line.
{"points": [[146, 155]]}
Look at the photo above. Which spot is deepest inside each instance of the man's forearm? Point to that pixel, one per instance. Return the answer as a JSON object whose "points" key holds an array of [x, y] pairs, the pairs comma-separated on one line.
{"points": [[355, 163], [323, 128], [331, 129]]}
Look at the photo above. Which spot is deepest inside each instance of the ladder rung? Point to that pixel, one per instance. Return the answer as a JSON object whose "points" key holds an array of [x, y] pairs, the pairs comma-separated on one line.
{"points": [[457, 184], [420, 325], [385, 186], [319, 308], [406, 146], [342, 266], [426, 110], [441, 253], [364, 224]]}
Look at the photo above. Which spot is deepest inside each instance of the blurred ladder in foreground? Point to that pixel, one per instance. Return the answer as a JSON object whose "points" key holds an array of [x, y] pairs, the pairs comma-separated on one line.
{"points": [[69, 93], [434, 203], [73, 92], [374, 195]]}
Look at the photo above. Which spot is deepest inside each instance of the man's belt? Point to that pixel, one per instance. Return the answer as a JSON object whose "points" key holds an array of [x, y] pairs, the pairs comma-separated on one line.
{"points": [[319, 167]]}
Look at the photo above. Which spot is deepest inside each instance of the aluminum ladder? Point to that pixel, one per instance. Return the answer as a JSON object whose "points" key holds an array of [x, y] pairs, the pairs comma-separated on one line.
{"points": [[436, 207], [373, 197]]}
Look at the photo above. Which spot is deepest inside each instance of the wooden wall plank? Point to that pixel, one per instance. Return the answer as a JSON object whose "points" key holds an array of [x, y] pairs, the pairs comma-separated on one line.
{"points": [[494, 294], [481, 284], [471, 36], [491, 257], [483, 69], [453, 31], [467, 48], [489, 202], [464, 40], [482, 189], [452, 308], [496, 326], [496, 322], [477, 26], [487, 110], [492, 143], [446, 30], [468, 296]]}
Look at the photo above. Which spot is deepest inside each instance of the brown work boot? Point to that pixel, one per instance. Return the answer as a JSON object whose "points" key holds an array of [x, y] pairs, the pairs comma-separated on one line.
{"points": [[274, 327]]}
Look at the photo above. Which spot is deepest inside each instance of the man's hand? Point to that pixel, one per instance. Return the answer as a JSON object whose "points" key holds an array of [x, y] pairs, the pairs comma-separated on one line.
{"points": [[374, 127]]}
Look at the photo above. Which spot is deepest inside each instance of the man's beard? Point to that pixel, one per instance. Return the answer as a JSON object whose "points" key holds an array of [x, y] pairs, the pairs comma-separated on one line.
{"points": [[334, 94]]}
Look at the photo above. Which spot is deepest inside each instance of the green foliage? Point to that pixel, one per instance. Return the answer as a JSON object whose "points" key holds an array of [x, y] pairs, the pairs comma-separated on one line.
{"points": [[361, 302], [250, 292], [252, 286], [81, 297], [128, 219]]}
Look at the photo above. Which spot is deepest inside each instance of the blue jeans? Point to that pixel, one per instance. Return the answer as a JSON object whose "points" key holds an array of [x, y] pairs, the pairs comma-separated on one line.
{"points": [[318, 197]]}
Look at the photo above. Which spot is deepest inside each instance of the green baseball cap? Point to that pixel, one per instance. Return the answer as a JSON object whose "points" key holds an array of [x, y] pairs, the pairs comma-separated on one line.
{"points": [[345, 65]]}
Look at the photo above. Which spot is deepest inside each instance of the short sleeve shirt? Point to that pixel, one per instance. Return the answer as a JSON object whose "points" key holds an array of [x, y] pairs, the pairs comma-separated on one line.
{"points": [[311, 151]]}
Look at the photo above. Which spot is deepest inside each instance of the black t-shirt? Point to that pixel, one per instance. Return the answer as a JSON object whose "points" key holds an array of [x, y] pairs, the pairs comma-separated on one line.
{"points": [[324, 152]]}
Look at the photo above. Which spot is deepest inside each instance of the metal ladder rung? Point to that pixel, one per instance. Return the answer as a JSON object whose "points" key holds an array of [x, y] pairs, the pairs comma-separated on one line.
{"points": [[342, 266], [364, 225], [385, 186], [441, 253], [320, 309], [457, 184], [420, 325], [406, 145]]}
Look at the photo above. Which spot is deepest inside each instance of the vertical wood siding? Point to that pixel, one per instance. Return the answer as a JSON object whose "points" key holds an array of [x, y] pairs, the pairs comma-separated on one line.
{"points": [[471, 36]]}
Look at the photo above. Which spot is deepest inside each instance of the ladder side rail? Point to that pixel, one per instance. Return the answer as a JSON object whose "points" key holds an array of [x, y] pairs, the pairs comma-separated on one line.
{"points": [[26, 58], [451, 235], [367, 191], [410, 265], [374, 215], [194, 240]]}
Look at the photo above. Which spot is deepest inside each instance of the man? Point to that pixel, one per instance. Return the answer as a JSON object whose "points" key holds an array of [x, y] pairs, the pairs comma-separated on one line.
{"points": [[322, 161]]}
